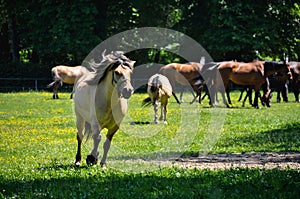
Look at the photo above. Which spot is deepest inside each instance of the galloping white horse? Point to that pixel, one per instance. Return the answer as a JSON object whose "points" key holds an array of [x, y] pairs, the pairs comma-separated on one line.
{"points": [[159, 90], [101, 102], [65, 74]]}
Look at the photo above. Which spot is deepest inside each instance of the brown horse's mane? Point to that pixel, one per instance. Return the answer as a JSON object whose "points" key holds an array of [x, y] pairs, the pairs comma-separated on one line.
{"points": [[109, 62]]}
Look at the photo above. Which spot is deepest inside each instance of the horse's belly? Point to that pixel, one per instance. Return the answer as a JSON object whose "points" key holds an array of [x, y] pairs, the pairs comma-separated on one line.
{"points": [[244, 79]]}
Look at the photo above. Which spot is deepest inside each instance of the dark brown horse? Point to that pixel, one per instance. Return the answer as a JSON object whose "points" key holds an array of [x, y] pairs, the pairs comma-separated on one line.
{"points": [[184, 74], [295, 83], [250, 74], [278, 82]]}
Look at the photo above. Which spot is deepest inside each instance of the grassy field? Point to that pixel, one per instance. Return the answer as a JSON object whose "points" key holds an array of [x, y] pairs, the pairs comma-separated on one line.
{"points": [[38, 146]]}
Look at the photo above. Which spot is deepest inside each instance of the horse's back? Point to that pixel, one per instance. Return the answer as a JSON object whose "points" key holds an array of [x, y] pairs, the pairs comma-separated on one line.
{"points": [[163, 81], [242, 73]]}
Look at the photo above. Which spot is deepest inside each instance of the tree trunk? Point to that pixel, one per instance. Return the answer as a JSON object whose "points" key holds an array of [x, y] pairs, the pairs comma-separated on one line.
{"points": [[13, 41]]}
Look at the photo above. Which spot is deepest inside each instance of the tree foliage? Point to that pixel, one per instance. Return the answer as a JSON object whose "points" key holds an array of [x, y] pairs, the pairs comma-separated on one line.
{"points": [[63, 32]]}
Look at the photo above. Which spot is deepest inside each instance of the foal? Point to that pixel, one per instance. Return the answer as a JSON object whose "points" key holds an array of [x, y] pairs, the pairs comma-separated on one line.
{"points": [[159, 90]]}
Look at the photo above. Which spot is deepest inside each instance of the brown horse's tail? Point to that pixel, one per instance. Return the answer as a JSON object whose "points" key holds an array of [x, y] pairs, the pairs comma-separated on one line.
{"points": [[146, 102]]}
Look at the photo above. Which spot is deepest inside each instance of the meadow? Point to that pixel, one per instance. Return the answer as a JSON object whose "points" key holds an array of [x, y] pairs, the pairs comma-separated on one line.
{"points": [[38, 146]]}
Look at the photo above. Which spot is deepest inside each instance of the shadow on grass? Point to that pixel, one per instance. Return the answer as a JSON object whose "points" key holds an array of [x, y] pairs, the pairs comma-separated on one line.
{"points": [[285, 139], [163, 183]]}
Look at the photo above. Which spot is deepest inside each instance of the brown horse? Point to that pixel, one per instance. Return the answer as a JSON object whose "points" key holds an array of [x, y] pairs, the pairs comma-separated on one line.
{"points": [[65, 74], [278, 82], [184, 74], [159, 90], [250, 74], [295, 70]]}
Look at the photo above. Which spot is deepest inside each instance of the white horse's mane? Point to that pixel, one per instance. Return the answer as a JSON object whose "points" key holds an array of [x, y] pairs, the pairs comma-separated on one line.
{"points": [[99, 70]]}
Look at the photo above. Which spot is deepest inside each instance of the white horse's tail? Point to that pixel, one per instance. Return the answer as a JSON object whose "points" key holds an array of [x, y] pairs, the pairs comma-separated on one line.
{"points": [[55, 80]]}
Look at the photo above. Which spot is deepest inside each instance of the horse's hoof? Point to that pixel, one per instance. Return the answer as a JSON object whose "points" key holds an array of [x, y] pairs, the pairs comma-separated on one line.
{"points": [[91, 160], [103, 165], [77, 163], [165, 122]]}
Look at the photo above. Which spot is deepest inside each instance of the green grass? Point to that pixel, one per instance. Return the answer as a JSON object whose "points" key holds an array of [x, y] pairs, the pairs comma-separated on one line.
{"points": [[38, 146]]}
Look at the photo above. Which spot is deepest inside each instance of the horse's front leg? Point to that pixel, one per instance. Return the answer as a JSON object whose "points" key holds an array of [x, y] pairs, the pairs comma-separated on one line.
{"points": [[155, 106], [163, 106], [107, 143], [255, 104], [93, 157]]}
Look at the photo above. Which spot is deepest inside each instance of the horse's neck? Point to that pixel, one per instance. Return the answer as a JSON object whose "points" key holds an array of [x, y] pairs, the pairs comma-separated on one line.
{"points": [[107, 86]]}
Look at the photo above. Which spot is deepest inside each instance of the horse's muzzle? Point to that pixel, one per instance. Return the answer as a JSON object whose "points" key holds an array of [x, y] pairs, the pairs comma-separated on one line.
{"points": [[127, 92]]}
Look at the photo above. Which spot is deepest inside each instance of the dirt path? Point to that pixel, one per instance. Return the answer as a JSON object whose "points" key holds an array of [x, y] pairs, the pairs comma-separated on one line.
{"points": [[268, 160]]}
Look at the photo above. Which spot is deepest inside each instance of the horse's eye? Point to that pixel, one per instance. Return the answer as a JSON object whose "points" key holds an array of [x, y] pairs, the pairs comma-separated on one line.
{"points": [[117, 73]]}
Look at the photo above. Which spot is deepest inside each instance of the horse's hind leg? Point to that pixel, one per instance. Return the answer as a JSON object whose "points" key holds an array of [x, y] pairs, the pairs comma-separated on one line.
{"points": [[55, 89], [93, 157], [241, 95], [173, 93]]}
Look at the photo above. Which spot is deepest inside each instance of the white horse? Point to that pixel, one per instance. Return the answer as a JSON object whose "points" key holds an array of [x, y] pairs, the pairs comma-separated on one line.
{"points": [[65, 74], [159, 90], [101, 102]]}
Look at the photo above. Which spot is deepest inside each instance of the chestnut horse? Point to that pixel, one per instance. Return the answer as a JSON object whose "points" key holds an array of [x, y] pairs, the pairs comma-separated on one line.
{"points": [[295, 70], [65, 74], [250, 74], [184, 74], [101, 102], [159, 90]]}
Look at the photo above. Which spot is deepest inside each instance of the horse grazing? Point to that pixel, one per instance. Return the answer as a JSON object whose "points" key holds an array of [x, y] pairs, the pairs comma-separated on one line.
{"points": [[184, 74], [250, 74], [295, 83], [279, 83], [159, 90], [101, 102], [65, 74]]}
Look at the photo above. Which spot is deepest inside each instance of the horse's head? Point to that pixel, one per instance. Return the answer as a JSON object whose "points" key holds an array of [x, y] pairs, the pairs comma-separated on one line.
{"points": [[121, 76], [278, 67], [284, 70]]}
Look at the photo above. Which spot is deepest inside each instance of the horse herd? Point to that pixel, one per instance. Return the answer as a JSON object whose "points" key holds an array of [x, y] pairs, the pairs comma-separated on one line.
{"points": [[102, 90]]}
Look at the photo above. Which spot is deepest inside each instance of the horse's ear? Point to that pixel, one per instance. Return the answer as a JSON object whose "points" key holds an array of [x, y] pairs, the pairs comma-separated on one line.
{"points": [[132, 63]]}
